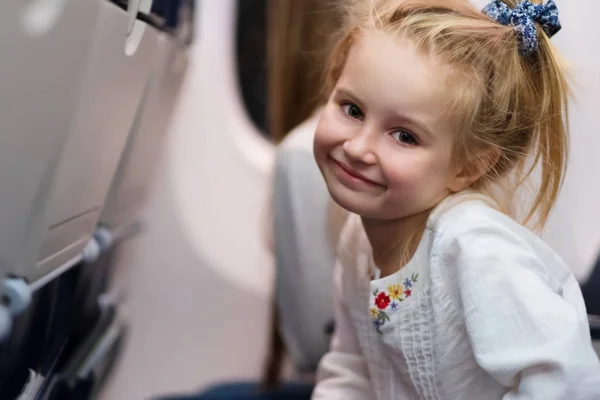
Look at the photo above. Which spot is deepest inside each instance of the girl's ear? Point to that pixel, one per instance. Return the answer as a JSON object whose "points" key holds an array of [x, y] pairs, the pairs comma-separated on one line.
{"points": [[469, 171]]}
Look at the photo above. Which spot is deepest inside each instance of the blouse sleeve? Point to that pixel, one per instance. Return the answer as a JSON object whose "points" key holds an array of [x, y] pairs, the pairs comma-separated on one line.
{"points": [[527, 330], [342, 372]]}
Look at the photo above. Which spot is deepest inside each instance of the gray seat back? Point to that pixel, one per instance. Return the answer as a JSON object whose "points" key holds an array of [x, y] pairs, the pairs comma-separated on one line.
{"points": [[303, 254]]}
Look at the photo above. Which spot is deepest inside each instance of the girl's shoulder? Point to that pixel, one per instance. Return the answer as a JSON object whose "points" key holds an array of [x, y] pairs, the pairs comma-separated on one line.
{"points": [[470, 231], [471, 211]]}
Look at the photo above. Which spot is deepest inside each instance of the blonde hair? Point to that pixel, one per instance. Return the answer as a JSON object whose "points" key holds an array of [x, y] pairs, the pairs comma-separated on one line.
{"points": [[505, 104]]}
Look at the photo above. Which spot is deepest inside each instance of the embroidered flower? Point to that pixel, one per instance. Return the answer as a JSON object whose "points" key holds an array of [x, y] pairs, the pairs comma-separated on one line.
{"points": [[395, 291], [380, 320], [382, 301]]}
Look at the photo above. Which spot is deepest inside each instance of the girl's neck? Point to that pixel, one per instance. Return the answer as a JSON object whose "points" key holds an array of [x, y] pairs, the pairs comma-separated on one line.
{"points": [[390, 238]]}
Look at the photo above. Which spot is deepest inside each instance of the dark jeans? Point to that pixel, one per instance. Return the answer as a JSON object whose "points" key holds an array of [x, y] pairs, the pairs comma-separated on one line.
{"points": [[250, 391]]}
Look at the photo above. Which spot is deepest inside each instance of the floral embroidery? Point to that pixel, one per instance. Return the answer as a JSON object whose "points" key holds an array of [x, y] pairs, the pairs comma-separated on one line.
{"points": [[383, 300], [381, 319], [378, 323], [374, 313], [395, 291]]}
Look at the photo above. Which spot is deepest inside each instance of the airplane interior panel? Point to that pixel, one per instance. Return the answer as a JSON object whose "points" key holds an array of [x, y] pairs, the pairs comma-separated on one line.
{"points": [[37, 115], [129, 186], [115, 81]]}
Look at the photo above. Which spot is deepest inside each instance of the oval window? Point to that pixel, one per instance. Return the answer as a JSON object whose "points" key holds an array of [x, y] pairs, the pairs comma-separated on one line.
{"points": [[251, 59]]}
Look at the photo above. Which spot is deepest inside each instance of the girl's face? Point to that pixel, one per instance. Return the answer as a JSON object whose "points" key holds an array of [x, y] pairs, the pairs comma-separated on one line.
{"points": [[384, 140]]}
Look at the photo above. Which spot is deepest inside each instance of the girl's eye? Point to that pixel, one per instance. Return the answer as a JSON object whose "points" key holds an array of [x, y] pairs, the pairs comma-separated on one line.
{"points": [[352, 111], [404, 137]]}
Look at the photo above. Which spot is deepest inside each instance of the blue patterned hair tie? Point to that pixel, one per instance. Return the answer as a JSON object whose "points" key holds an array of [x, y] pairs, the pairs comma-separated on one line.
{"points": [[523, 17]]}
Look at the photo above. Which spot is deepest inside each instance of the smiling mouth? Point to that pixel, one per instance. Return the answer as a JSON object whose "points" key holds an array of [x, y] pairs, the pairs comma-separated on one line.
{"points": [[354, 174]]}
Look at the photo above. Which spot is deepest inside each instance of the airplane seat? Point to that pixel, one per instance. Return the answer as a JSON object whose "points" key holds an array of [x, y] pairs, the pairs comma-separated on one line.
{"points": [[130, 183], [41, 92], [169, 64], [92, 282], [98, 328], [110, 86], [97, 333], [142, 143], [22, 350], [38, 339], [88, 381], [71, 117], [117, 73], [304, 255], [72, 337]]}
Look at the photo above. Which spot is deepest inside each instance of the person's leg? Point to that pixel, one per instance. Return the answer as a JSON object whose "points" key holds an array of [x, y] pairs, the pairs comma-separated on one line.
{"points": [[250, 391]]}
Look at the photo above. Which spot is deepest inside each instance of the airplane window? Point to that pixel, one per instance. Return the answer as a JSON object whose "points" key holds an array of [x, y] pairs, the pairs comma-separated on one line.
{"points": [[251, 51]]}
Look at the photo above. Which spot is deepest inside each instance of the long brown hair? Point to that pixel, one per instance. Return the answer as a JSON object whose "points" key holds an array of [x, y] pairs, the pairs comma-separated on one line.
{"points": [[513, 105], [299, 39]]}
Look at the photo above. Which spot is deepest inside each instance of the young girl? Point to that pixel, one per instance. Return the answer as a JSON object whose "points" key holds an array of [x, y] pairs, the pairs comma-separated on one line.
{"points": [[439, 293]]}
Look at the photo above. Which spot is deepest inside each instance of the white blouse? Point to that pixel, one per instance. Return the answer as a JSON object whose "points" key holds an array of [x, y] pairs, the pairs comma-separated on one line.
{"points": [[484, 310]]}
